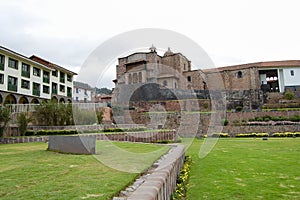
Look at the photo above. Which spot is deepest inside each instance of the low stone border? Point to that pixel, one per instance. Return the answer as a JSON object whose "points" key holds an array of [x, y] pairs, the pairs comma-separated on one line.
{"points": [[147, 137], [160, 181]]}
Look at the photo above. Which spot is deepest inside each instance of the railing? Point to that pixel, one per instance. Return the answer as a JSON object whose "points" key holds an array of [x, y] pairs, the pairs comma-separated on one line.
{"points": [[25, 74], [35, 92], [11, 87], [2, 66]]}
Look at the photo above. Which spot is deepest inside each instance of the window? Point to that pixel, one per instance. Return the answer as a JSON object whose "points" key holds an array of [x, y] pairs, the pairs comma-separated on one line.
{"points": [[85, 92], [69, 78], [292, 73], [35, 89], [76, 99], [165, 83], [76, 90], [46, 89], [189, 78], [184, 68], [25, 70], [85, 100], [46, 77], [54, 88], [239, 74], [12, 63], [140, 77], [12, 83], [62, 77], [54, 73], [25, 84], [69, 92], [2, 61], [61, 88], [36, 71], [1, 78], [135, 78], [130, 79]]}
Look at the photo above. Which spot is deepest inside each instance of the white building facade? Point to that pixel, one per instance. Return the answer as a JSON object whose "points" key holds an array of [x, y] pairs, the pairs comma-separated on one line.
{"points": [[83, 92], [26, 80]]}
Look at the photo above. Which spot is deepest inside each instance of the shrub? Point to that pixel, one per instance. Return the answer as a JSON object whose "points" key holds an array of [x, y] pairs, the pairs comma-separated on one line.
{"points": [[56, 132], [287, 134], [4, 118], [221, 135], [125, 129], [239, 108], [247, 135], [182, 180], [29, 133], [289, 96], [225, 122], [23, 121]]}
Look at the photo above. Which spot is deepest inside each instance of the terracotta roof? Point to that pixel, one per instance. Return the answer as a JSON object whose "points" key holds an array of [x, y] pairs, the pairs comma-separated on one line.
{"points": [[24, 57], [50, 64], [266, 64]]}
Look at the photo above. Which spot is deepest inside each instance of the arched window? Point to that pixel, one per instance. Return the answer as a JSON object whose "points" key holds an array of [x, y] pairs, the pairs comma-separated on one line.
{"points": [[140, 77], [130, 79], [239, 74], [135, 78], [189, 78], [165, 83]]}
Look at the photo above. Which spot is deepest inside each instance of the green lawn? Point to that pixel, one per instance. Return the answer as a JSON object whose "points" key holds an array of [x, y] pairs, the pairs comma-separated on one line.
{"points": [[28, 171], [246, 169]]}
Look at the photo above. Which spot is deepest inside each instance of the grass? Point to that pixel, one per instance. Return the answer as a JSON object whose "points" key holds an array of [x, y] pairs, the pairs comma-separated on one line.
{"points": [[28, 171], [246, 169]]}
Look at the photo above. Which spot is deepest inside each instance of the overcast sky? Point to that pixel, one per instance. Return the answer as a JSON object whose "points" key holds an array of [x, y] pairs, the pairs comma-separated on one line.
{"points": [[231, 31]]}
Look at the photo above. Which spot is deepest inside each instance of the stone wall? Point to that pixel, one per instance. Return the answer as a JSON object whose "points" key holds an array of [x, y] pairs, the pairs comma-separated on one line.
{"points": [[147, 137], [72, 144], [161, 183], [233, 130]]}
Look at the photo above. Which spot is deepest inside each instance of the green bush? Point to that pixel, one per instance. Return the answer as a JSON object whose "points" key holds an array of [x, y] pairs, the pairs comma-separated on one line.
{"points": [[225, 122], [182, 180], [56, 132], [29, 133], [247, 135], [289, 95], [23, 121], [221, 135], [239, 108], [125, 129], [287, 134]]}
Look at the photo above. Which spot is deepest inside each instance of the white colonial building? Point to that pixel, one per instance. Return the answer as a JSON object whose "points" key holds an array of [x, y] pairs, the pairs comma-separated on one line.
{"points": [[25, 80], [83, 92]]}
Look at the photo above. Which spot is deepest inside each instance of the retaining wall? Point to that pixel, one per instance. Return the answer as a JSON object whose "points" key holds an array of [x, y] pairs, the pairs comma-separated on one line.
{"points": [[128, 137], [161, 183]]}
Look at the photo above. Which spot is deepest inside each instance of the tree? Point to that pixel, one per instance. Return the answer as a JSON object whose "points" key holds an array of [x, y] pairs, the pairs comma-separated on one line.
{"points": [[54, 114], [99, 114], [23, 120], [4, 118]]}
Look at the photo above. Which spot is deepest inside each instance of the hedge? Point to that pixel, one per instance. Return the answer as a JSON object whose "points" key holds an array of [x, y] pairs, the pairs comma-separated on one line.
{"points": [[51, 132], [266, 118], [125, 129], [252, 135], [286, 134]]}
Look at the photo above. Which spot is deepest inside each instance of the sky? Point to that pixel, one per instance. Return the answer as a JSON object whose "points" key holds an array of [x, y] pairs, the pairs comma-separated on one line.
{"points": [[232, 32]]}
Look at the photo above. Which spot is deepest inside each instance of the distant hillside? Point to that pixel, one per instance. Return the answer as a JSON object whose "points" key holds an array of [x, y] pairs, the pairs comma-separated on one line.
{"points": [[102, 91]]}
